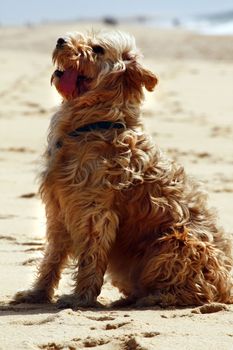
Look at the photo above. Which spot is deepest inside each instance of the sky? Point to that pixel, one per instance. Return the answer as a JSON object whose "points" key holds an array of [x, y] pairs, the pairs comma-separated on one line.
{"points": [[24, 11]]}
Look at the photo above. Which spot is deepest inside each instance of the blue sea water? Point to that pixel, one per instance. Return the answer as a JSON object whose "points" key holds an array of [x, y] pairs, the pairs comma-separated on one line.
{"points": [[217, 24]]}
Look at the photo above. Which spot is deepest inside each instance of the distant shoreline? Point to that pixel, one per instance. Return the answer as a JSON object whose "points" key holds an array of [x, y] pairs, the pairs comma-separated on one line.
{"points": [[217, 24]]}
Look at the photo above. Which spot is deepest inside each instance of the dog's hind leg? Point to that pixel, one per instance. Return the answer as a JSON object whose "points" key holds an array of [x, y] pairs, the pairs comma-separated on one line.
{"points": [[180, 269]]}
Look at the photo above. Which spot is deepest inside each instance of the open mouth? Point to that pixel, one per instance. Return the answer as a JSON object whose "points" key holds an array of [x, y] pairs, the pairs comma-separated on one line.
{"points": [[71, 83]]}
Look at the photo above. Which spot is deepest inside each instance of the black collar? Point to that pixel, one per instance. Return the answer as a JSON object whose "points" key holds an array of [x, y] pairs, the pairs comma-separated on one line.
{"points": [[96, 126]]}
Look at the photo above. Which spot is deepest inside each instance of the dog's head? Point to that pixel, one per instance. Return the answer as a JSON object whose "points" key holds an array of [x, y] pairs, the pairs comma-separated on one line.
{"points": [[100, 62]]}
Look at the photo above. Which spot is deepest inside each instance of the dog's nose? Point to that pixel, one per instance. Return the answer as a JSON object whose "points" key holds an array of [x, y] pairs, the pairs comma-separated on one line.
{"points": [[60, 42]]}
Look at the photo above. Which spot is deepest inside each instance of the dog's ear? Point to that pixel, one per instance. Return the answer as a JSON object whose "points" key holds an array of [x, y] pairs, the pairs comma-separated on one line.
{"points": [[137, 75]]}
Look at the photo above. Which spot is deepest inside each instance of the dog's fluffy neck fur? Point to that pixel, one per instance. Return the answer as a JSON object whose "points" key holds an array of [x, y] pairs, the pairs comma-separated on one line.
{"points": [[79, 112]]}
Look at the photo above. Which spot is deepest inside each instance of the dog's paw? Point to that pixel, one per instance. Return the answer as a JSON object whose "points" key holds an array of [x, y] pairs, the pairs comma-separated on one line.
{"points": [[123, 302], [74, 301], [31, 296]]}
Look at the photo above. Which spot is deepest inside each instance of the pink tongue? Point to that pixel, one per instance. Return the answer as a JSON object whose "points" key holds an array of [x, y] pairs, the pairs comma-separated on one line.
{"points": [[67, 83]]}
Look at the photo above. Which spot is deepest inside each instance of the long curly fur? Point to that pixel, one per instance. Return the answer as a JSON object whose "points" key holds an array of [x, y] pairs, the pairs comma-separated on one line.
{"points": [[114, 202]]}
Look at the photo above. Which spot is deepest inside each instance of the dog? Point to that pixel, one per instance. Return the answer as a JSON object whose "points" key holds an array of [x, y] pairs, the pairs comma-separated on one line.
{"points": [[114, 202]]}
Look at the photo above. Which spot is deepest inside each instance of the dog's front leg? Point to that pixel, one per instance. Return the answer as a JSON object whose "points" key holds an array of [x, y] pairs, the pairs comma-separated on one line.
{"points": [[49, 271], [93, 260]]}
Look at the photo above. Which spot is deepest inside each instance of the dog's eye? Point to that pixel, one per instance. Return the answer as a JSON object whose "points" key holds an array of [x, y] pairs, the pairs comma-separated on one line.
{"points": [[98, 49]]}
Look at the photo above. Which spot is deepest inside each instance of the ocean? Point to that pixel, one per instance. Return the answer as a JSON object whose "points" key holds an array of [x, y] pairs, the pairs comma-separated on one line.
{"points": [[217, 24]]}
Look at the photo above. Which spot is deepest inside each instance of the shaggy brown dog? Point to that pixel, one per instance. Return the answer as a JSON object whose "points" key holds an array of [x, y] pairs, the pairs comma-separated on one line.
{"points": [[113, 201]]}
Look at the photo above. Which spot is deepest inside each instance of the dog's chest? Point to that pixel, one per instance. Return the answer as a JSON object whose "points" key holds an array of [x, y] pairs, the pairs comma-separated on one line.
{"points": [[78, 163]]}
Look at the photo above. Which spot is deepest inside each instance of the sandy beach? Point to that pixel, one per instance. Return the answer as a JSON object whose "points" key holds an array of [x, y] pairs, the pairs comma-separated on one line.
{"points": [[189, 115]]}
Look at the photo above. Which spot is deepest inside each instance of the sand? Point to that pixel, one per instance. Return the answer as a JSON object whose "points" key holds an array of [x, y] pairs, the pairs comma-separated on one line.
{"points": [[189, 115]]}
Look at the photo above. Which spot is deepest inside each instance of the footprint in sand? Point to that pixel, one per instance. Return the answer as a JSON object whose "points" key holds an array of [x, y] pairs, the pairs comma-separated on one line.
{"points": [[101, 318], [31, 244], [7, 216], [53, 346], [28, 195], [31, 262], [150, 334], [76, 343], [35, 322], [8, 238], [130, 342], [92, 342], [31, 250], [17, 150], [210, 308], [115, 325], [221, 131], [31, 247]]}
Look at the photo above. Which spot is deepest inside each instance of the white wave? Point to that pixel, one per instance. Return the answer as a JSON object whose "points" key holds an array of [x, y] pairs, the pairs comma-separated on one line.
{"points": [[210, 28], [200, 25]]}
